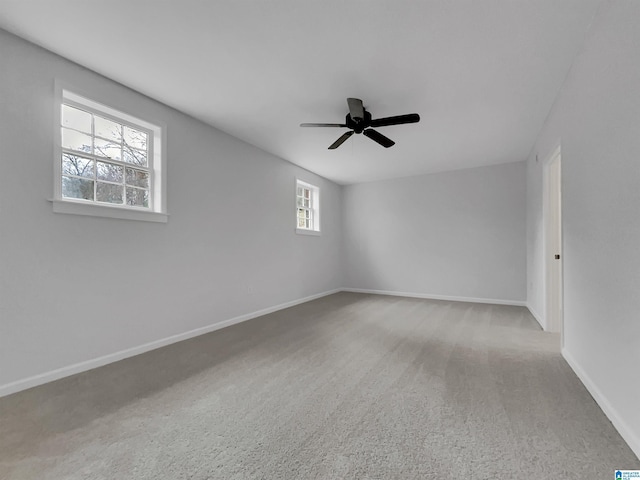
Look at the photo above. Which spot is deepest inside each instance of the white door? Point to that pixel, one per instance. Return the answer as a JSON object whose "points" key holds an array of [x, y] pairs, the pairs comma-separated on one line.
{"points": [[553, 255]]}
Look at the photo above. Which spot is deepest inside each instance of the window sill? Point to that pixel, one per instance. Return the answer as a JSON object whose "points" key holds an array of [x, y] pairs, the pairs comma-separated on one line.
{"points": [[301, 231], [93, 210]]}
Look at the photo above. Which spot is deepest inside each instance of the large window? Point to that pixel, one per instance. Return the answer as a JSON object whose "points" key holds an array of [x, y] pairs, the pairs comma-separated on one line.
{"points": [[107, 158], [307, 208]]}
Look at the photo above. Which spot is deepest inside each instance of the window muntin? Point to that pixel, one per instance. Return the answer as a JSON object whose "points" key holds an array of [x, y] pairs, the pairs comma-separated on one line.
{"points": [[104, 159], [307, 207]]}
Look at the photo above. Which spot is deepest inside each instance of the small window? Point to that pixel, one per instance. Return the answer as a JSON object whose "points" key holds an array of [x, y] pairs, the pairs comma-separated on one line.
{"points": [[307, 208], [107, 158]]}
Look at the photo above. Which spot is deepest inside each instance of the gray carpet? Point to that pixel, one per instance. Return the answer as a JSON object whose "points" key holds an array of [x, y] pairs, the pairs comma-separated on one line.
{"points": [[345, 387]]}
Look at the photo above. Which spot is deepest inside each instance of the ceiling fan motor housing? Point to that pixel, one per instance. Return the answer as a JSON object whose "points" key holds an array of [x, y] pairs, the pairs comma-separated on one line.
{"points": [[358, 124]]}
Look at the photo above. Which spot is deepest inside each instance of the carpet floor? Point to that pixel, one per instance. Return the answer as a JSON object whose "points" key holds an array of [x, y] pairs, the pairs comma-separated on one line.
{"points": [[348, 386]]}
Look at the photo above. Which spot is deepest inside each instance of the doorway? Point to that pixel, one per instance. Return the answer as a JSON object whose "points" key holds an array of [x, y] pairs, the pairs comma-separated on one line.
{"points": [[553, 244]]}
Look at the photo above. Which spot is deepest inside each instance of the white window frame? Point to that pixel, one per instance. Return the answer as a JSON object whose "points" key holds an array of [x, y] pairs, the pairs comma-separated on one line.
{"points": [[157, 211], [314, 208]]}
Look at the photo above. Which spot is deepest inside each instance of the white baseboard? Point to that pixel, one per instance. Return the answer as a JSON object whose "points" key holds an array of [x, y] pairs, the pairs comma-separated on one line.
{"points": [[52, 375], [625, 432], [494, 301], [536, 315]]}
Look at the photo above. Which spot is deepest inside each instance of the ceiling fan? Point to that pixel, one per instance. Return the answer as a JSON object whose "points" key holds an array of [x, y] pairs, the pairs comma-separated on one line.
{"points": [[359, 121]]}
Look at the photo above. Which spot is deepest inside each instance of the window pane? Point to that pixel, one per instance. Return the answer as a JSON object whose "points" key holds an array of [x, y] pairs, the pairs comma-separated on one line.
{"points": [[109, 193], [137, 178], [307, 193], [75, 118], [76, 140], [135, 138], [77, 188], [299, 191], [110, 172], [108, 129], [136, 157], [74, 165], [137, 197], [107, 148], [301, 222]]}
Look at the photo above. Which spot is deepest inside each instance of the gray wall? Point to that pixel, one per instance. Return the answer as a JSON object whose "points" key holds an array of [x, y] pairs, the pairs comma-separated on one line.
{"points": [[75, 288], [458, 234], [596, 119]]}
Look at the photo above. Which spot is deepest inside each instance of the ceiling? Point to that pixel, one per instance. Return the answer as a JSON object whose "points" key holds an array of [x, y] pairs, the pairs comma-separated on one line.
{"points": [[482, 74]]}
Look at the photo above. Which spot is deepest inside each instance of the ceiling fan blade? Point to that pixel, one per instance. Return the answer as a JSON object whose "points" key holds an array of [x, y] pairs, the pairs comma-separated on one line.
{"points": [[379, 138], [341, 140], [356, 110], [398, 120], [323, 125]]}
